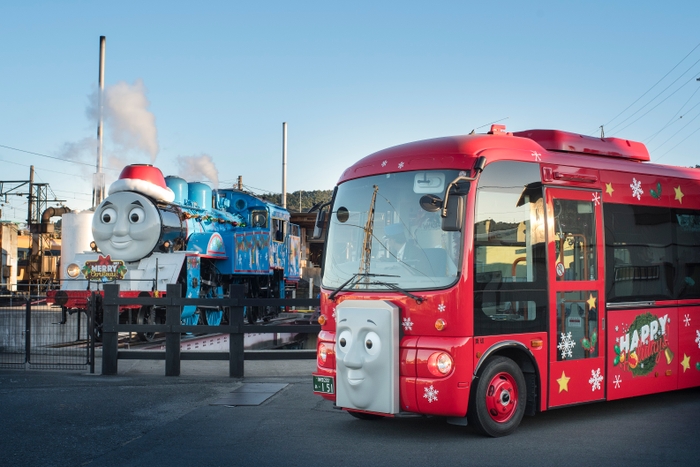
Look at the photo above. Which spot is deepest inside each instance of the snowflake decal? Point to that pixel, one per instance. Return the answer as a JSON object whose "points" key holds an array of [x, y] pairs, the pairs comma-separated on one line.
{"points": [[430, 393], [441, 307], [636, 186], [617, 381], [407, 324], [596, 198], [687, 320], [566, 345], [401, 164], [333, 315], [536, 155], [596, 379], [384, 162], [697, 339]]}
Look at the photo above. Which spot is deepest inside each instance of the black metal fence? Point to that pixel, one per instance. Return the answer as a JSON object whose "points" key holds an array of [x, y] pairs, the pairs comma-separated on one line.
{"points": [[173, 302], [34, 335]]}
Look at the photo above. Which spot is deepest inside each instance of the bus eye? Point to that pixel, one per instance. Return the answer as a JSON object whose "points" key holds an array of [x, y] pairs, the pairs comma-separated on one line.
{"points": [[345, 339], [109, 216], [373, 343]]}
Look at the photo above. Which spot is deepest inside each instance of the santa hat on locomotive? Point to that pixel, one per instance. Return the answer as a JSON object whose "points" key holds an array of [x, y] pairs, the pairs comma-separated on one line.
{"points": [[144, 179]]}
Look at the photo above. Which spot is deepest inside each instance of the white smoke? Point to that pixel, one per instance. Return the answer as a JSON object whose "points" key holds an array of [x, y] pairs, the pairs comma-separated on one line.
{"points": [[194, 168], [127, 120]]}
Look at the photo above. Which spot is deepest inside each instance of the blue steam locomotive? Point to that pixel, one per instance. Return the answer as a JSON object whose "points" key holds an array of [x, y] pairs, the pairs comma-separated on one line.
{"points": [[152, 231]]}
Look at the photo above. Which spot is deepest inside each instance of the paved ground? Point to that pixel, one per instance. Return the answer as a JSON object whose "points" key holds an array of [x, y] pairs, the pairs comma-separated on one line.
{"points": [[142, 418]]}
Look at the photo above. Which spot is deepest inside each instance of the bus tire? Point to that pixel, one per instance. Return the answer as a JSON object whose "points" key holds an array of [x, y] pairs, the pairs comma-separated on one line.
{"points": [[497, 403]]}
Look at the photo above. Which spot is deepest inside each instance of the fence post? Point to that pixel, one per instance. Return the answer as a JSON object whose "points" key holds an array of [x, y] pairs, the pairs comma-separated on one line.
{"points": [[91, 338], [172, 339], [235, 340], [28, 331], [110, 337]]}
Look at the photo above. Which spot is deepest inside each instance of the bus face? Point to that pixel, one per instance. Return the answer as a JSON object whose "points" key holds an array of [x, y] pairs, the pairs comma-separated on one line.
{"points": [[391, 279]]}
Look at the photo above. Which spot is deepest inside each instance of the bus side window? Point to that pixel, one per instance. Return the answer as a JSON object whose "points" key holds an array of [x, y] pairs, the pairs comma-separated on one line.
{"points": [[640, 262], [510, 280]]}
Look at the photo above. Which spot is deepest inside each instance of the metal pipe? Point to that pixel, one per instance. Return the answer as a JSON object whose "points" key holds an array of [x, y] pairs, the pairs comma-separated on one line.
{"points": [[51, 212], [98, 184], [284, 165]]}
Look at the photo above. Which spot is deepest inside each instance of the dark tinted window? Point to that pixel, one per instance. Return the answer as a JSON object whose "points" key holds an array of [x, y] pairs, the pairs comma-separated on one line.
{"points": [[687, 240], [652, 253]]}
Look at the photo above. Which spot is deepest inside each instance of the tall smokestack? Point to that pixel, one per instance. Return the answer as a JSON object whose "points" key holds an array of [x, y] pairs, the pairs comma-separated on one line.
{"points": [[284, 165], [98, 182]]}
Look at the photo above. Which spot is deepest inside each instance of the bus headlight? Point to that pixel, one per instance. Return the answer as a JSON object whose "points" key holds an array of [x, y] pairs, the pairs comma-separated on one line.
{"points": [[440, 364], [73, 270]]}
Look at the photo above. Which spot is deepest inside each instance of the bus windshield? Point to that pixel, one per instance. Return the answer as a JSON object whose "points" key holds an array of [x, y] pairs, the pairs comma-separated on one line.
{"points": [[378, 230]]}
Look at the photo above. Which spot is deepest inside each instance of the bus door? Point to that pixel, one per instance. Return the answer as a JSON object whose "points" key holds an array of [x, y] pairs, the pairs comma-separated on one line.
{"points": [[576, 296]]}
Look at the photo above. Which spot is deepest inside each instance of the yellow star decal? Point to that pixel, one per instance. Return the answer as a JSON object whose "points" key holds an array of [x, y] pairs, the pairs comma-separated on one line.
{"points": [[679, 194], [563, 382], [685, 363], [591, 301], [609, 189]]}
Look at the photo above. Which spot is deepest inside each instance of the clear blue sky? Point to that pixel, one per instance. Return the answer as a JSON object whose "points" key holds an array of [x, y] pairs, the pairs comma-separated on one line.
{"points": [[213, 81]]}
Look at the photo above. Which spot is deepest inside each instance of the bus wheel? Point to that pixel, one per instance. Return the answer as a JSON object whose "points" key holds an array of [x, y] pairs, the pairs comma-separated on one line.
{"points": [[498, 402]]}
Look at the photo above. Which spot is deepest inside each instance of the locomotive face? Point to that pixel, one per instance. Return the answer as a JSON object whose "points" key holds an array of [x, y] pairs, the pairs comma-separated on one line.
{"points": [[126, 226]]}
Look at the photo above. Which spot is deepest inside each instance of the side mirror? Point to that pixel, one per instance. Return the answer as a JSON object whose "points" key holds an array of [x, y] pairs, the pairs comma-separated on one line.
{"points": [[454, 218], [320, 224]]}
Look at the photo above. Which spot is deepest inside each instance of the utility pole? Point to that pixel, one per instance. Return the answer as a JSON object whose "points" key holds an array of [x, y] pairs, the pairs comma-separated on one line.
{"points": [[37, 201], [284, 165], [98, 183]]}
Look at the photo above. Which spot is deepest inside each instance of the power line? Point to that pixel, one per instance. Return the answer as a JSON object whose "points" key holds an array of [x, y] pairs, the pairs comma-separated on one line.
{"points": [[679, 143], [655, 84], [55, 158], [662, 101], [673, 119]]}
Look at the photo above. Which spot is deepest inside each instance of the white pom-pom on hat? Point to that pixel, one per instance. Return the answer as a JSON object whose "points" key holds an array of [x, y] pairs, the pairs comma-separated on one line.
{"points": [[144, 179]]}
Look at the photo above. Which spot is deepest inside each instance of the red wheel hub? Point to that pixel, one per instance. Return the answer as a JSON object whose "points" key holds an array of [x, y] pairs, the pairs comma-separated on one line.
{"points": [[502, 397]]}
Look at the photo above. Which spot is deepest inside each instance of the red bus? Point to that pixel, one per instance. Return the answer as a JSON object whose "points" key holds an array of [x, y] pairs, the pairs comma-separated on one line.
{"points": [[488, 276]]}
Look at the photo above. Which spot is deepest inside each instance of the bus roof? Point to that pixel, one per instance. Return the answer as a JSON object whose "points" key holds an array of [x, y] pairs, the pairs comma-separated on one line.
{"points": [[555, 146]]}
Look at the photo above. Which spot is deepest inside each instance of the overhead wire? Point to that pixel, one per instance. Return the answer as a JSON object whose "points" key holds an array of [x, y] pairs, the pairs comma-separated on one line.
{"points": [[56, 158], [673, 119], [655, 97], [672, 136], [652, 87]]}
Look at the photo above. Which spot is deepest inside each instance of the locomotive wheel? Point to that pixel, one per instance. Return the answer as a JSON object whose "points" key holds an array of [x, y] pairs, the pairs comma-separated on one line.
{"points": [[97, 332], [253, 314], [497, 403], [146, 315]]}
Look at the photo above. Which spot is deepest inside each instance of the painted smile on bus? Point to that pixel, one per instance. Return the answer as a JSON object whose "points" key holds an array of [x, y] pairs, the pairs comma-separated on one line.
{"points": [[126, 226]]}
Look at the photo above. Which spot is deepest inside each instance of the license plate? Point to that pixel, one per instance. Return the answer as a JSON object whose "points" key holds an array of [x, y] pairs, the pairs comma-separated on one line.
{"points": [[324, 384]]}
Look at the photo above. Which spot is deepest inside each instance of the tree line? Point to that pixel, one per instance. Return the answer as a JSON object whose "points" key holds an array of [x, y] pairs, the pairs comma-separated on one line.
{"points": [[300, 201]]}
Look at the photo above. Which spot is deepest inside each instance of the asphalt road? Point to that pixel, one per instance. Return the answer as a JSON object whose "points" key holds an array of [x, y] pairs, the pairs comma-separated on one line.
{"points": [[142, 418]]}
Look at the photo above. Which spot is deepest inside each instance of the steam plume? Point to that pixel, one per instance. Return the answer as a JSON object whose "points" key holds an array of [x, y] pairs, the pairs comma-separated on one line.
{"points": [[192, 168], [128, 122]]}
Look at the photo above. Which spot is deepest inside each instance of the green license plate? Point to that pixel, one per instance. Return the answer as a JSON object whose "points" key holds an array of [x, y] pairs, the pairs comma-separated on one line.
{"points": [[324, 384]]}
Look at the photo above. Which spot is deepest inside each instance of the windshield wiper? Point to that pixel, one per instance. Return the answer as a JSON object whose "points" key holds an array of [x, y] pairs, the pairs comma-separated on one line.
{"points": [[354, 280], [418, 299]]}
